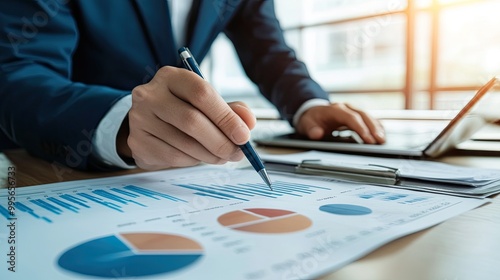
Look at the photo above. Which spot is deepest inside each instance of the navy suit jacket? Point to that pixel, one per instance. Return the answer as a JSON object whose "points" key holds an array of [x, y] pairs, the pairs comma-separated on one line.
{"points": [[64, 63]]}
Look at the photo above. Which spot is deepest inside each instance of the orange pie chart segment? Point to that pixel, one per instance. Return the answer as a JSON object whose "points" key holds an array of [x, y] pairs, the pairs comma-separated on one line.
{"points": [[237, 217], [130, 255], [269, 212], [160, 242], [263, 220]]}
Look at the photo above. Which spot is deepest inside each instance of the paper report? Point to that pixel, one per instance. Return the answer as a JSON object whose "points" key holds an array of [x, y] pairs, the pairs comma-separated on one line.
{"points": [[206, 222]]}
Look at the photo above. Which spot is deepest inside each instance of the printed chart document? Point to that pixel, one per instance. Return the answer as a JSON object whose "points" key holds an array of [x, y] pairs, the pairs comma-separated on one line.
{"points": [[205, 223]]}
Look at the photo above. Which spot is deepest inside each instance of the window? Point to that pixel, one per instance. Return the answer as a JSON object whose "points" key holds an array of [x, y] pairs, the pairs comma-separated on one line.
{"points": [[383, 54]]}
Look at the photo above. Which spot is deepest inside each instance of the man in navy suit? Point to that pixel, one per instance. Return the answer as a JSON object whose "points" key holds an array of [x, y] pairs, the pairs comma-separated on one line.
{"points": [[93, 84]]}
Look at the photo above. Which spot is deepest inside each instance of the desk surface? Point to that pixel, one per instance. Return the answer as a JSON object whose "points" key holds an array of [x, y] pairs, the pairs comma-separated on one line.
{"points": [[464, 247]]}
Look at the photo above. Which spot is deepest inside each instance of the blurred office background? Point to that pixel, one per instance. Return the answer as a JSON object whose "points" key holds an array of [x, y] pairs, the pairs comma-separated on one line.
{"points": [[380, 54]]}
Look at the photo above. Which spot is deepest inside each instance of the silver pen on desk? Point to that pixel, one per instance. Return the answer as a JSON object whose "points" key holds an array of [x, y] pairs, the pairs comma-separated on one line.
{"points": [[250, 153], [369, 173]]}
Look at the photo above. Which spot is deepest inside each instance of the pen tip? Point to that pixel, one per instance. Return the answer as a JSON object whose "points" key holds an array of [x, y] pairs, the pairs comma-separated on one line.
{"points": [[265, 177]]}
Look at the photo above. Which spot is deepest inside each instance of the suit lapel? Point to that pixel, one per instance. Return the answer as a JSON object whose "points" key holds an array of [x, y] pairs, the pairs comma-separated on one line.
{"points": [[211, 18], [155, 17]]}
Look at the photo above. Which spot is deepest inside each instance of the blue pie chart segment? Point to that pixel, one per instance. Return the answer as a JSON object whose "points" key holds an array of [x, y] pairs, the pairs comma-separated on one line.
{"points": [[345, 209], [131, 255]]}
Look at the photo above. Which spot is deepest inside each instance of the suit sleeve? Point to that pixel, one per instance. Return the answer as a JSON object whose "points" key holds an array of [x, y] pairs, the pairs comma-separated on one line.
{"points": [[42, 109], [268, 61]]}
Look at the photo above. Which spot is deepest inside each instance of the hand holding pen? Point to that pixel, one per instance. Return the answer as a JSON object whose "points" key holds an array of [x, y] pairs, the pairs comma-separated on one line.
{"points": [[177, 120], [252, 156]]}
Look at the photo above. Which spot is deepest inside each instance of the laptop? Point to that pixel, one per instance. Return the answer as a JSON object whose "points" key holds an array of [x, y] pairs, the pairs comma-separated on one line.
{"points": [[412, 138]]}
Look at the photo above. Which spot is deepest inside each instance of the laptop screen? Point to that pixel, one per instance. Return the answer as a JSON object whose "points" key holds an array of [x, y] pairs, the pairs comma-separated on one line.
{"points": [[479, 111]]}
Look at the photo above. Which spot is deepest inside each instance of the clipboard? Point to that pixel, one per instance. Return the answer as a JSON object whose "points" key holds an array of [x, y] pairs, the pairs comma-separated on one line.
{"points": [[424, 176]]}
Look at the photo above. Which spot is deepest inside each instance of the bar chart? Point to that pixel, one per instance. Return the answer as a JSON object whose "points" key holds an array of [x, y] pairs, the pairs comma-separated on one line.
{"points": [[115, 199], [345, 209], [401, 198], [120, 199], [247, 191]]}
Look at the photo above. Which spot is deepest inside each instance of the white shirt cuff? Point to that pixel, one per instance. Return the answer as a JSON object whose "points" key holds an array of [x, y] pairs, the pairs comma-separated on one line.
{"points": [[104, 142], [308, 105]]}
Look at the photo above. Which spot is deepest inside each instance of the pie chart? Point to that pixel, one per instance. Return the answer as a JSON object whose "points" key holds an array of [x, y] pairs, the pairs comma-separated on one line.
{"points": [[345, 209], [131, 255], [264, 220]]}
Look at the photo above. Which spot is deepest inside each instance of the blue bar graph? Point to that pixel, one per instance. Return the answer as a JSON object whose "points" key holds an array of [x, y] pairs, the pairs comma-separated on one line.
{"points": [[125, 192], [100, 201], [24, 208], [121, 199], [152, 194], [47, 206], [109, 198], [416, 199], [210, 195], [245, 191], [63, 204], [5, 212], [75, 200], [207, 191], [391, 196]]}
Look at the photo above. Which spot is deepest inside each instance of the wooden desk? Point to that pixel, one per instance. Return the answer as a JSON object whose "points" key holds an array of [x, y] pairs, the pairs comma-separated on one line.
{"points": [[34, 171], [464, 247]]}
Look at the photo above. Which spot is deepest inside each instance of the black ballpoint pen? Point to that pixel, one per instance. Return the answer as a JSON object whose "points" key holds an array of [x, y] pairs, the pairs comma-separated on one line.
{"points": [[252, 156]]}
